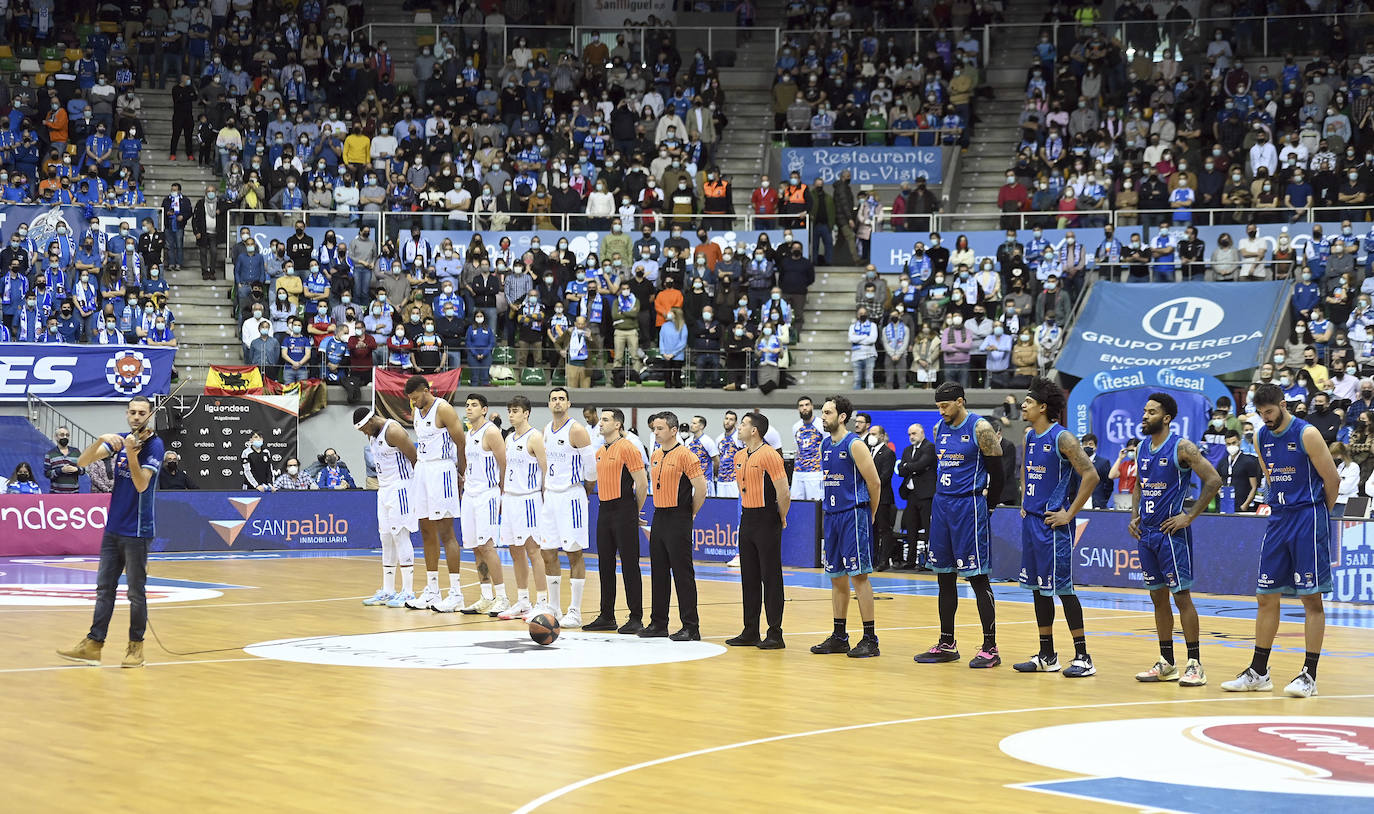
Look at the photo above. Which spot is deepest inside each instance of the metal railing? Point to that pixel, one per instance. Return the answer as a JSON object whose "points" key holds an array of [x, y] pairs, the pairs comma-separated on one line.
{"points": [[46, 419], [549, 41], [992, 220], [920, 137]]}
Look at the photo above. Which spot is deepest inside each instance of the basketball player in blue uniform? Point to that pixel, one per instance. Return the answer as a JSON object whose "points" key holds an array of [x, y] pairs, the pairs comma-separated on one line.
{"points": [[1164, 473], [850, 479], [1295, 557], [969, 462], [1053, 456]]}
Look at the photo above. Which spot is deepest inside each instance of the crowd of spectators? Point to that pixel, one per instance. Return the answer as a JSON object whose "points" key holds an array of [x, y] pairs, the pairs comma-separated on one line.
{"points": [[1165, 120]]}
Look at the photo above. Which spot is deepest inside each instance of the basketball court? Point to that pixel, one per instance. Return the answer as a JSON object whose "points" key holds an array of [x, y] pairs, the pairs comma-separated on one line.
{"points": [[269, 686]]}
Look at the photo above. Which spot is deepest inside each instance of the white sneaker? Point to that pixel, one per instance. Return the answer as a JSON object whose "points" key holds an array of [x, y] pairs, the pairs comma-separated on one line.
{"points": [[400, 600], [571, 619], [733, 563], [1193, 675], [516, 611], [482, 605], [1304, 686], [382, 597], [425, 600], [499, 605], [538, 609], [1038, 664], [450, 603], [1250, 681]]}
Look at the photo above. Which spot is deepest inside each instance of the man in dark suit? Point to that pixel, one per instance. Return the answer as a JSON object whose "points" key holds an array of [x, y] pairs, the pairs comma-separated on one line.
{"points": [[1240, 473], [885, 460], [176, 216], [917, 470], [209, 223], [1011, 471], [1102, 495]]}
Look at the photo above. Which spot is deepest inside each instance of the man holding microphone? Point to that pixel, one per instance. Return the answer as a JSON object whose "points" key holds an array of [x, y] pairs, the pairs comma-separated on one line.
{"points": [[679, 489], [764, 503]]}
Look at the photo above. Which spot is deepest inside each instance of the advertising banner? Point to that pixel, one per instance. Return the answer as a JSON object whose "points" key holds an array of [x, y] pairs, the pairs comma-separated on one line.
{"points": [[896, 423], [1110, 404], [51, 525], [881, 166], [616, 14], [892, 249], [1210, 328], [210, 433], [43, 220], [83, 372], [715, 533]]}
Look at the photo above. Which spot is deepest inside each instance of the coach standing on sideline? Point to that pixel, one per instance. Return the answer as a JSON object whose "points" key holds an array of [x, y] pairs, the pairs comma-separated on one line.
{"points": [[129, 528], [764, 503], [679, 491], [621, 486]]}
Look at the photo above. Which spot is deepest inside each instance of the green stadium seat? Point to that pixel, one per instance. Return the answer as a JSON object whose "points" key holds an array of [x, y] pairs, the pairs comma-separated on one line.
{"points": [[533, 377], [560, 377], [503, 355]]}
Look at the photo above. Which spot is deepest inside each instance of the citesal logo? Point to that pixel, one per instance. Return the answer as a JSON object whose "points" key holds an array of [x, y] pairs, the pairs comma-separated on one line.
{"points": [[1206, 764], [54, 594], [128, 372], [509, 649]]}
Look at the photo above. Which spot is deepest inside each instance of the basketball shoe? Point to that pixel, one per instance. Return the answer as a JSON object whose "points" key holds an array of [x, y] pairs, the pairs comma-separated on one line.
{"points": [[1081, 667], [938, 653], [1249, 681], [450, 603], [400, 600], [986, 658], [1162, 671], [1304, 686], [516, 611], [482, 605], [1193, 674], [425, 600], [571, 619], [382, 597], [1039, 664]]}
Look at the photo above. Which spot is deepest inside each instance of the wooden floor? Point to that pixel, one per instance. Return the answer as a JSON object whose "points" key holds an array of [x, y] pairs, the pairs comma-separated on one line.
{"points": [[741, 730]]}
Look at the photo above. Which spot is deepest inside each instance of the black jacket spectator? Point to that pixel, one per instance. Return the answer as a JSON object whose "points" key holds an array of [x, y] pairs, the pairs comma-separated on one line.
{"points": [[172, 476], [795, 274]]}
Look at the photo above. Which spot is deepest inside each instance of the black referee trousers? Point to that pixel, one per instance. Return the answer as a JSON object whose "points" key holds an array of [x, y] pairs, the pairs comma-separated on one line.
{"points": [[617, 533], [670, 562], [760, 566]]}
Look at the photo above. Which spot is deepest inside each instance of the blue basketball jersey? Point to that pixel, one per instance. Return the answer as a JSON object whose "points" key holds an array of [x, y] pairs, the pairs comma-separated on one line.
{"points": [[1164, 482], [845, 488], [960, 468], [1048, 473], [1293, 480]]}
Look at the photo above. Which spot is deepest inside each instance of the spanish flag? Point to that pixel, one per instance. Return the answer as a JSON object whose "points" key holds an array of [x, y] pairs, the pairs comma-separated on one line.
{"points": [[312, 394], [389, 388], [233, 380]]}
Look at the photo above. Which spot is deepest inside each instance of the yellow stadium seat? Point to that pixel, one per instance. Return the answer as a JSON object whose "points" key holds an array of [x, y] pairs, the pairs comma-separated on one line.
{"points": [[73, 54], [52, 66], [6, 52]]}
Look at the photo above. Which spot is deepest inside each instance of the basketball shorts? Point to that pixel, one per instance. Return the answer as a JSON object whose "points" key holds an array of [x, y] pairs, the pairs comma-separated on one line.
{"points": [[520, 519], [727, 488], [564, 524], [807, 486], [434, 489], [1295, 557], [481, 519], [1046, 556], [960, 535], [847, 544], [396, 508], [1166, 560]]}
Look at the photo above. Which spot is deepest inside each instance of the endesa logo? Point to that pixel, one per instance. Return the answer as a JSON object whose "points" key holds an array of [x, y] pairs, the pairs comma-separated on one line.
{"points": [[1229, 763], [40, 375], [43, 517]]}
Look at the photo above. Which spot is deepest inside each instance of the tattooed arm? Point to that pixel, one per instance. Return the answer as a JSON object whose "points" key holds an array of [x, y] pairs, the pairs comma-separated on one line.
{"points": [[990, 447], [1073, 452]]}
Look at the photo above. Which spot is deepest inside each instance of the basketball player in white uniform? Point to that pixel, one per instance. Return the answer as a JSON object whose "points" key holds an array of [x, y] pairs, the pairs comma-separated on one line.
{"points": [[438, 482], [522, 505], [394, 458], [806, 466], [571, 461], [481, 515], [726, 447]]}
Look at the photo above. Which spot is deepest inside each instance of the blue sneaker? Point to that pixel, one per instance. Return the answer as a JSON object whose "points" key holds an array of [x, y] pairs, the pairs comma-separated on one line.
{"points": [[400, 600], [382, 597]]}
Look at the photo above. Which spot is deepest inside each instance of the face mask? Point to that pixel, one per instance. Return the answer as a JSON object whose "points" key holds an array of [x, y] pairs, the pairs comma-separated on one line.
{"points": [[293, 470], [739, 332], [1285, 381], [257, 443]]}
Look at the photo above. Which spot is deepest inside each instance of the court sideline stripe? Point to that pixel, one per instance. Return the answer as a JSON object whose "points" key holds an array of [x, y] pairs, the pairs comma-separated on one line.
{"points": [[581, 784]]}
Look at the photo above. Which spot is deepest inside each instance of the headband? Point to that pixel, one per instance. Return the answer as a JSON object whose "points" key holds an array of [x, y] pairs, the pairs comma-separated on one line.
{"points": [[949, 391], [370, 413]]}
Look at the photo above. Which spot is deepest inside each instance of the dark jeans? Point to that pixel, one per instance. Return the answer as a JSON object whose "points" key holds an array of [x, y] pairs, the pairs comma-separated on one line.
{"points": [[119, 554], [670, 563], [760, 567], [617, 533]]}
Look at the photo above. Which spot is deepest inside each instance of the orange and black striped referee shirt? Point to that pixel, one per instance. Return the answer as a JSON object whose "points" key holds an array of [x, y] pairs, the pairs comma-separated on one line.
{"points": [[614, 463], [671, 475], [755, 472]]}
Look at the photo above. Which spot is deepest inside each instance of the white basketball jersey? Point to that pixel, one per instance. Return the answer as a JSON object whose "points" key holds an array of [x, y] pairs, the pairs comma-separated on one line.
{"points": [[482, 474], [392, 466], [522, 468], [564, 460], [432, 442]]}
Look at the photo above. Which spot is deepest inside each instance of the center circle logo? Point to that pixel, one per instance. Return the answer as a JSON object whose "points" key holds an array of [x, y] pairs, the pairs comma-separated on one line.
{"points": [[1182, 318], [49, 594], [482, 650]]}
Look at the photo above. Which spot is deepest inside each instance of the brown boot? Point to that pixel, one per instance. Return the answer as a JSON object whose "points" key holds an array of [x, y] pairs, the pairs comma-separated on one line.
{"points": [[86, 651], [133, 655]]}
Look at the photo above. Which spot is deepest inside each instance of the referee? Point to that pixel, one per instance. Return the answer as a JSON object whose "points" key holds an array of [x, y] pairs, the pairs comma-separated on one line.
{"points": [[679, 491], [621, 486], [129, 529], [764, 501]]}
